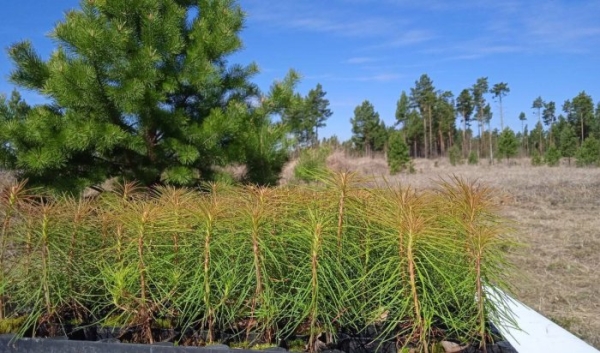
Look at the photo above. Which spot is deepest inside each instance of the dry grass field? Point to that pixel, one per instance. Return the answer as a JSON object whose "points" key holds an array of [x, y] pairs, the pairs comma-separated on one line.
{"points": [[557, 215]]}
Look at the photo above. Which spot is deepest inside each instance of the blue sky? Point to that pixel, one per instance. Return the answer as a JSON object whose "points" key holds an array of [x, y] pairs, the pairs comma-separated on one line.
{"points": [[367, 49]]}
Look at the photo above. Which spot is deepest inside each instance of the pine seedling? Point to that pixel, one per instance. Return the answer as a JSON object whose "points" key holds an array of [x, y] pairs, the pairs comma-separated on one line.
{"points": [[177, 202], [12, 198], [402, 212], [319, 278], [257, 220], [211, 299], [473, 210], [79, 245], [46, 293], [210, 213], [144, 227]]}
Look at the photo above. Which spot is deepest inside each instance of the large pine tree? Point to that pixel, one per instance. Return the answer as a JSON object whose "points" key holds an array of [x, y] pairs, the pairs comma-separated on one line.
{"points": [[140, 89]]}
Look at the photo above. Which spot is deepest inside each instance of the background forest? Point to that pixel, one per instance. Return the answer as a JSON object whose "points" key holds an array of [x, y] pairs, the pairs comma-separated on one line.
{"points": [[147, 93], [436, 123]]}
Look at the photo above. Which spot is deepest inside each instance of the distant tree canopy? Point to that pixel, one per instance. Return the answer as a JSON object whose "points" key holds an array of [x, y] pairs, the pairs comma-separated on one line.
{"points": [[307, 114], [368, 131], [427, 119], [142, 90]]}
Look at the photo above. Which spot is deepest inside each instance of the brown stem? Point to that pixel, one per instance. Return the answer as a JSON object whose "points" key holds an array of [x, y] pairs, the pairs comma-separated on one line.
{"points": [[5, 226], [28, 247], [119, 241], [314, 285], [401, 229], [341, 214], [257, 216], [12, 201], [145, 314], [257, 265], [45, 263], [104, 230], [480, 306], [141, 265], [210, 221], [256, 232], [71, 255], [365, 249], [257, 259], [207, 240], [177, 204], [175, 248], [72, 244], [477, 253], [414, 292]]}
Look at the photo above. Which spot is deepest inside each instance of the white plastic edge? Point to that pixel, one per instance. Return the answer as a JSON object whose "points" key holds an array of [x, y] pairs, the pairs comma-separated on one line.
{"points": [[536, 333]]}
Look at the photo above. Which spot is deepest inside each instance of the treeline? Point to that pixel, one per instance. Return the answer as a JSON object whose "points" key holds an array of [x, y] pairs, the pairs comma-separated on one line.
{"points": [[436, 123]]}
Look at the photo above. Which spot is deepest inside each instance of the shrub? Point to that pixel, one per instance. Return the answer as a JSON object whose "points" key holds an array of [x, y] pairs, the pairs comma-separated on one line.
{"points": [[473, 158], [552, 156], [508, 144], [398, 156], [536, 158], [455, 155], [589, 152], [312, 164], [224, 177], [568, 142], [411, 168]]}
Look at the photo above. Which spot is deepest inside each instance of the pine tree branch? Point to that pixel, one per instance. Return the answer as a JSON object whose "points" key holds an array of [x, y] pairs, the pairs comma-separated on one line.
{"points": [[113, 112]]}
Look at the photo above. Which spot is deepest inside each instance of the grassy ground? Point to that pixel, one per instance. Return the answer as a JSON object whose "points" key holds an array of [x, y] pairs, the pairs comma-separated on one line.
{"points": [[557, 211]]}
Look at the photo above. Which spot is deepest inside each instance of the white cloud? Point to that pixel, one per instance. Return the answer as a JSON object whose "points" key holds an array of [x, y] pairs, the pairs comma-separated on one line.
{"points": [[380, 77], [563, 26], [376, 77], [361, 60], [313, 16], [491, 27], [368, 27], [402, 39], [317, 77], [410, 37]]}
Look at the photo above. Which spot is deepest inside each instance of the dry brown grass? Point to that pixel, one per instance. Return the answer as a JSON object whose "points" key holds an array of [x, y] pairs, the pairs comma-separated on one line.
{"points": [[556, 210]]}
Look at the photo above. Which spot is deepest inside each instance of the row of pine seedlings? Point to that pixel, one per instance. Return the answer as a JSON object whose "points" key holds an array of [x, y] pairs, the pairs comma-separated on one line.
{"points": [[257, 265]]}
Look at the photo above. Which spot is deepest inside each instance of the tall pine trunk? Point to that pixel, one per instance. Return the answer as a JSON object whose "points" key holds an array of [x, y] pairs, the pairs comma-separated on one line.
{"points": [[425, 154], [442, 144], [430, 132], [501, 113], [481, 132], [542, 131], [491, 145], [581, 119], [464, 140]]}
